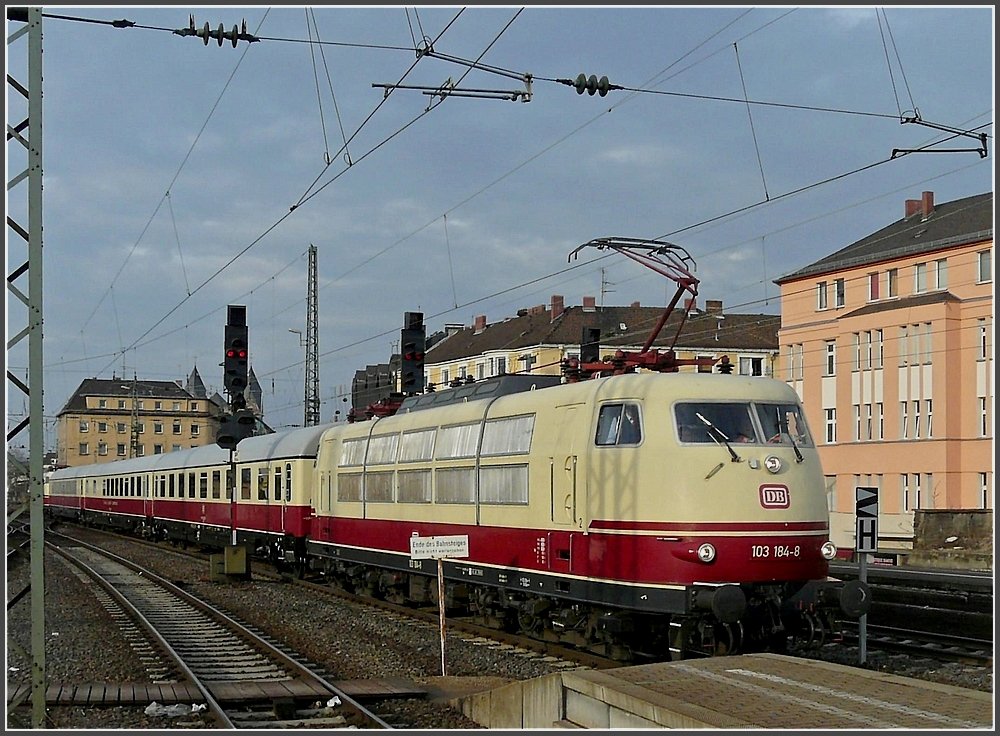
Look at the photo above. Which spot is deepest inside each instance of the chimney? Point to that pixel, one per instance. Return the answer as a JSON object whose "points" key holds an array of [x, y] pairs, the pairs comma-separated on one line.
{"points": [[589, 304], [522, 312], [928, 204], [691, 304], [713, 306], [558, 306], [635, 305], [912, 207], [480, 324]]}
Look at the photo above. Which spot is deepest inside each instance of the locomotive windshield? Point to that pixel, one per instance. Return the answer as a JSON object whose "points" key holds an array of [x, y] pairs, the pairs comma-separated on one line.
{"points": [[741, 422]]}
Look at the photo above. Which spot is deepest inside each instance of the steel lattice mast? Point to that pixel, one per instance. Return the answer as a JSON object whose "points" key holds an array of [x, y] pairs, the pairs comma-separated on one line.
{"points": [[311, 417]]}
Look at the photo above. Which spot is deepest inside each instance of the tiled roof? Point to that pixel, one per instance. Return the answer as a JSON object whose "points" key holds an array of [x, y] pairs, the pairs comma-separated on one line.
{"points": [[958, 222], [701, 331], [122, 388]]}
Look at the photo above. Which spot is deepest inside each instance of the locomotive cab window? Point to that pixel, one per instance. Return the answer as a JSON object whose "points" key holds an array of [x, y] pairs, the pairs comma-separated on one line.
{"points": [[714, 421], [619, 424], [783, 424]]}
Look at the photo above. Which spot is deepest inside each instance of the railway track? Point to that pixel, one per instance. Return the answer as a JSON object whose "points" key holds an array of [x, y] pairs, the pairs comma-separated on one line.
{"points": [[242, 679], [942, 646]]}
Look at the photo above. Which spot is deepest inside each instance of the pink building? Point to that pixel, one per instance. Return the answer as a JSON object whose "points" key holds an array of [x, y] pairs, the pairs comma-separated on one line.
{"points": [[889, 343]]}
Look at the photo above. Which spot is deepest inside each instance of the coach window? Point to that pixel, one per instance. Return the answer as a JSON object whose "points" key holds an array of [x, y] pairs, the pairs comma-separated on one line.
{"points": [[619, 424], [191, 485], [170, 485], [262, 484], [203, 485], [245, 480], [277, 482], [216, 484], [288, 481], [180, 485]]}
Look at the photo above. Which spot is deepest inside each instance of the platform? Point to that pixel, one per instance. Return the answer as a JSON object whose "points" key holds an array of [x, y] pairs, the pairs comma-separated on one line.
{"points": [[751, 691]]}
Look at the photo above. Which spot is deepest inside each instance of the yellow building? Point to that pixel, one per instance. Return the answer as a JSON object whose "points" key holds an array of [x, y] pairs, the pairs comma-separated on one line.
{"points": [[889, 343], [539, 338], [104, 418]]}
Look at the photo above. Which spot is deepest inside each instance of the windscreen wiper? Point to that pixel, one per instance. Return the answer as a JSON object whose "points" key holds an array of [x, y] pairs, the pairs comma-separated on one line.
{"points": [[788, 431], [719, 434]]}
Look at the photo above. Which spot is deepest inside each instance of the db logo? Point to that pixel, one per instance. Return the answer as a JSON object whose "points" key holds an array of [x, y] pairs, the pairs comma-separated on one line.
{"points": [[774, 497]]}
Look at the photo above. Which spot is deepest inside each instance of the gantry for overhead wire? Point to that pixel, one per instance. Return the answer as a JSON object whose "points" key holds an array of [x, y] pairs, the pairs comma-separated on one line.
{"points": [[24, 282]]}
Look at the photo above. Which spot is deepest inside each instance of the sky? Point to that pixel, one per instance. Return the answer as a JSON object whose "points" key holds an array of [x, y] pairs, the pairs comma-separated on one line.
{"points": [[180, 178]]}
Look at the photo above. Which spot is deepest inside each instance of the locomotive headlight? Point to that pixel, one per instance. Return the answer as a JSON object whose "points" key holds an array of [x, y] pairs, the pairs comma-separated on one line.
{"points": [[706, 552], [773, 464], [828, 550]]}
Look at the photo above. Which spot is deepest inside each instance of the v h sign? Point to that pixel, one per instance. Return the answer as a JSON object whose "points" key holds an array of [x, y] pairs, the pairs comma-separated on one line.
{"points": [[866, 511]]}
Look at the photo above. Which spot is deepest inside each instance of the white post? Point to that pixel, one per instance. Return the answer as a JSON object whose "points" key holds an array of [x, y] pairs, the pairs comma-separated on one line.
{"points": [[441, 608]]}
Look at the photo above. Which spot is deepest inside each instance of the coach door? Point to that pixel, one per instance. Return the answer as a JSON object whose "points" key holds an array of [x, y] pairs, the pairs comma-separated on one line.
{"points": [[565, 499]]}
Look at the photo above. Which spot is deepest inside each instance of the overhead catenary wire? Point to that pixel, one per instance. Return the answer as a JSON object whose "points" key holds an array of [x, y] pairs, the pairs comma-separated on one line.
{"points": [[734, 100]]}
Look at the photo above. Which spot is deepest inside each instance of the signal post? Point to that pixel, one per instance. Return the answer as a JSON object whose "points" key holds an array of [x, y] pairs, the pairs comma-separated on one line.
{"points": [[235, 425]]}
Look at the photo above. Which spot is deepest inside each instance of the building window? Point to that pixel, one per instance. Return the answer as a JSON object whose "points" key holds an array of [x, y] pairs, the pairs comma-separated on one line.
{"points": [[831, 492], [194, 406], [176, 428], [831, 425], [102, 403], [102, 426], [821, 295], [102, 448], [751, 366], [141, 404], [928, 347], [158, 450], [873, 284], [140, 451], [941, 273], [177, 406], [904, 345], [121, 403], [480, 371], [195, 429], [868, 421], [892, 282], [880, 420], [704, 366], [84, 448], [928, 412], [904, 426], [916, 419], [904, 492], [501, 366], [157, 405], [831, 359], [856, 409], [985, 266], [157, 427], [877, 349], [840, 294], [445, 376], [175, 448], [984, 421], [984, 334], [142, 427], [84, 425], [120, 449], [120, 427], [920, 278], [984, 491]]}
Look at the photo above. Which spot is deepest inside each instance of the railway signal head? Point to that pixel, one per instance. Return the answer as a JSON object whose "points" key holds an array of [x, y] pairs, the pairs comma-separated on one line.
{"points": [[235, 370], [235, 427], [412, 345]]}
